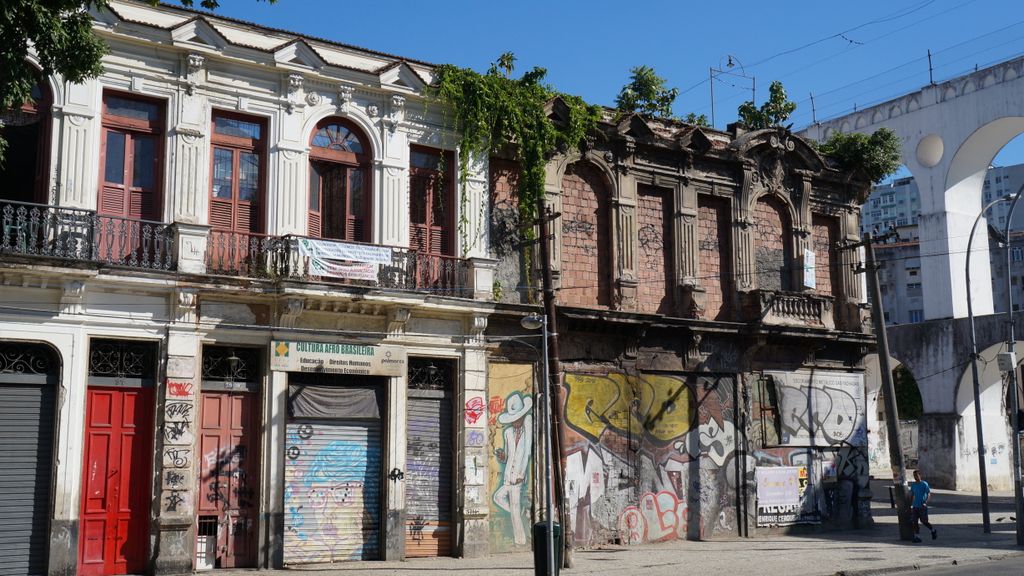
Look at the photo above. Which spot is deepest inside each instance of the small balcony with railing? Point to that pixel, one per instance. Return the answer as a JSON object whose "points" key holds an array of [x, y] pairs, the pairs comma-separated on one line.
{"points": [[39, 233], [791, 309], [333, 262]]}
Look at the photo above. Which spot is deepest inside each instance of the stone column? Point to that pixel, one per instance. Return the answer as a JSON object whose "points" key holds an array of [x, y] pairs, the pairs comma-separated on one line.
{"points": [[690, 295], [474, 498], [481, 277], [191, 245], [176, 421]]}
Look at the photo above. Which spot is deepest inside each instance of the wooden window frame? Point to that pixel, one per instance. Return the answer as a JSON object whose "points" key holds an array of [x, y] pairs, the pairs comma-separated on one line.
{"points": [[237, 145], [132, 127], [348, 160], [448, 179]]}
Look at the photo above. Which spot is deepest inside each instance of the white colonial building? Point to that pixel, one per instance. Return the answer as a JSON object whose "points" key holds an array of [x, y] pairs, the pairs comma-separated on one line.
{"points": [[242, 298]]}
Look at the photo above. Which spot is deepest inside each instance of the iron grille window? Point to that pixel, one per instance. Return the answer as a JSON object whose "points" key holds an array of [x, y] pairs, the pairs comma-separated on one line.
{"points": [[228, 367], [431, 374], [27, 363], [122, 363]]}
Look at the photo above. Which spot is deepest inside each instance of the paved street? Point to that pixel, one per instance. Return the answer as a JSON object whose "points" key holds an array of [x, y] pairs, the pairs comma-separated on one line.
{"points": [[877, 550]]}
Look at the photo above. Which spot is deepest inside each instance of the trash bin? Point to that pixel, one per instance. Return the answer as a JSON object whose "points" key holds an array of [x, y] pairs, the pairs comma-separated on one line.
{"points": [[540, 548]]}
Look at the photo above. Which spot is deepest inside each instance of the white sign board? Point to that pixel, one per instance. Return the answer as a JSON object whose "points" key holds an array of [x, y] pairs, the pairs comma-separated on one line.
{"points": [[810, 277], [820, 407], [335, 358]]}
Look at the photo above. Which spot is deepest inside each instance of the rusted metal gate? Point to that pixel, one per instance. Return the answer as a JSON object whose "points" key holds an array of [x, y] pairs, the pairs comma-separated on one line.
{"points": [[429, 460]]}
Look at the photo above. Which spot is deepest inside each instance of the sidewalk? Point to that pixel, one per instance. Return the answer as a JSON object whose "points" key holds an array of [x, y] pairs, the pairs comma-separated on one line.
{"points": [[956, 515]]}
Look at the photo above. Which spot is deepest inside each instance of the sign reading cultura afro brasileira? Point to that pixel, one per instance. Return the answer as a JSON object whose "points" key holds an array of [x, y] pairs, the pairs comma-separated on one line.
{"points": [[336, 358]]}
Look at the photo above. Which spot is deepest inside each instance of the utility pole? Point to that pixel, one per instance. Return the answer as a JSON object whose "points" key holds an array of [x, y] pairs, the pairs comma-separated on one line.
{"points": [[931, 75], [555, 372], [892, 423]]}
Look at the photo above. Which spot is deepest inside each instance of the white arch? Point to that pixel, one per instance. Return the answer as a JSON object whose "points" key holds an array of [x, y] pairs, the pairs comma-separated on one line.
{"points": [[994, 423], [967, 168]]}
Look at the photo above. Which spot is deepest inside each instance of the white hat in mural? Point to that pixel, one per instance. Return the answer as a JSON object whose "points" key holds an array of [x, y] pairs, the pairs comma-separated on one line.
{"points": [[515, 408]]}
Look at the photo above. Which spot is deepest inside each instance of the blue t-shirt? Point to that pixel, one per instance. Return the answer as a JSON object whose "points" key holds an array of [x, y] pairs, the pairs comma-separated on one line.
{"points": [[921, 490]]}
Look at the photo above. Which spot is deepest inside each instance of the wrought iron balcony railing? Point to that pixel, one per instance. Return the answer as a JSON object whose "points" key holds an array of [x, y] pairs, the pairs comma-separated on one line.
{"points": [[41, 231], [335, 262]]}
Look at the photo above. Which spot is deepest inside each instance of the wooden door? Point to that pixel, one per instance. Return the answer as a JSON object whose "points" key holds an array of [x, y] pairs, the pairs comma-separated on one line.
{"points": [[228, 483], [116, 481]]}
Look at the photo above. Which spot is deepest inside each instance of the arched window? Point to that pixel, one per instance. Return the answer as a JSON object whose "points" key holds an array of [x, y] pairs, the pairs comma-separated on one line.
{"points": [[586, 238], [339, 182], [27, 129], [773, 253]]}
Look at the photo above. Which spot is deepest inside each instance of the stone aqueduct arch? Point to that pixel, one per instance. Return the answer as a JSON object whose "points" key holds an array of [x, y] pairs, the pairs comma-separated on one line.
{"points": [[950, 132]]}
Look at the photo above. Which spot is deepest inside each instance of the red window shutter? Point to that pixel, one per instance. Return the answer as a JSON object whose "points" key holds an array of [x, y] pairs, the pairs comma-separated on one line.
{"points": [[313, 225], [245, 222], [142, 204], [220, 214], [112, 202]]}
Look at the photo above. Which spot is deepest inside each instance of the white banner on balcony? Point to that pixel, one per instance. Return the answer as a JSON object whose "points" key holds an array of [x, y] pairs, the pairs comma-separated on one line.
{"points": [[334, 250], [359, 271]]}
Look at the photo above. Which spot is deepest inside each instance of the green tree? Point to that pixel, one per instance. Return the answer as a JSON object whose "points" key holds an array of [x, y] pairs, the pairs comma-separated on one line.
{"points": [[60, 34], [873, 157], [646, 94], [772, 113]]}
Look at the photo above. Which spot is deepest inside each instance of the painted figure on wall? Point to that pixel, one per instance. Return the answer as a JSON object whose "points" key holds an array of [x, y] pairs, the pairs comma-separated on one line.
{"points": [[515, 457]]}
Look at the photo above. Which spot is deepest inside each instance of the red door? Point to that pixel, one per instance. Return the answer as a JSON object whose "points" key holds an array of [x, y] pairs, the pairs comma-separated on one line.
{"points": [[116, 481], [228, 481]]}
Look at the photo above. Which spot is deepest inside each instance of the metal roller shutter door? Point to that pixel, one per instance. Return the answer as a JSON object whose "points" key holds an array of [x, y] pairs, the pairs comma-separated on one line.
{"points": [[332, 491], [26, 458], [428, 479]]}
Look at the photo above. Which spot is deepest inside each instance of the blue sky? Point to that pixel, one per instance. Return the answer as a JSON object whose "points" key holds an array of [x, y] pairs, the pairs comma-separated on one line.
{"points": [[845, 53]]}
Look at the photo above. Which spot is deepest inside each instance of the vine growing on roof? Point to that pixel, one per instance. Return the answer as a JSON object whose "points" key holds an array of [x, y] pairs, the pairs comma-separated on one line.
{"points": [[494, 112]]}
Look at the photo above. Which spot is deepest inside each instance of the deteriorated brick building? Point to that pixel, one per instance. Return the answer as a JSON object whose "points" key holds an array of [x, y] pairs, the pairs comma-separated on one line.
{"points": [[711, 332]]}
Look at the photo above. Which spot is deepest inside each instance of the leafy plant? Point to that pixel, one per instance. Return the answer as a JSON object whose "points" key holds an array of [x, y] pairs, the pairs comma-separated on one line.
{"points": [[492, 112], [697, 120], [646, 94], [874, 157], [772, 113]]}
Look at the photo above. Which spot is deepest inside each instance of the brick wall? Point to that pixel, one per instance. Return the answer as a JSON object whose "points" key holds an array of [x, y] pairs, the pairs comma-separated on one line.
{"points": [[586, 239], [654, 266], [505, 234], [824, 233], [772, 250], [713, 242]]}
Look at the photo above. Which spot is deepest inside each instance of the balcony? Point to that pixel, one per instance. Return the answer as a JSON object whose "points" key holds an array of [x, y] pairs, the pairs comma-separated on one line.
{"points": [[41, 232], [332, 262], [798, 309]]}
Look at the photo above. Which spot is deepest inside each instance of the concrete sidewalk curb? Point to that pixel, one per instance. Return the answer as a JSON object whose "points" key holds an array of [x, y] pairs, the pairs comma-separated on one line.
{"points": [[921, 566]]}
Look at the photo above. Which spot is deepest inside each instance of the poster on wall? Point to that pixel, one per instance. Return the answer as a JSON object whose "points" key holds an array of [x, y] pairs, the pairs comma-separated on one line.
{"points": [[820, 408], [337, 358], [783, 498]]}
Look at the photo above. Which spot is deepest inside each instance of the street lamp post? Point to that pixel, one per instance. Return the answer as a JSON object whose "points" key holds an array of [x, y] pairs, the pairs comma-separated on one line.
{"points": [[1014, 397], [533, 322], [982, 472]]}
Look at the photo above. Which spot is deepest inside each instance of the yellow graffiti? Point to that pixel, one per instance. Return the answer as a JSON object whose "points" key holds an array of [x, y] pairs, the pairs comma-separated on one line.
{"points": [[660, 408]]}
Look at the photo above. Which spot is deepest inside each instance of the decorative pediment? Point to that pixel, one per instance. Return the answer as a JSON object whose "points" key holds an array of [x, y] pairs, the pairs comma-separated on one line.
{"points": [[198, 31], [401, 75], [557, 111], [771, 143], [694, 139], [634, 125], [298, 52]]}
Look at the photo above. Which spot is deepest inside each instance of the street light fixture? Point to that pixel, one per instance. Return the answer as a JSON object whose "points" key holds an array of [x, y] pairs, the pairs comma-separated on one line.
{"points": [[533, 322], [982, 472], [1014, 396]]}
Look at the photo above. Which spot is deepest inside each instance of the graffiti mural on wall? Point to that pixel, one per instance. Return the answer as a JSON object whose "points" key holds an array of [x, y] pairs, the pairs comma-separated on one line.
{"points": [[511, 434], [652, 456]]}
